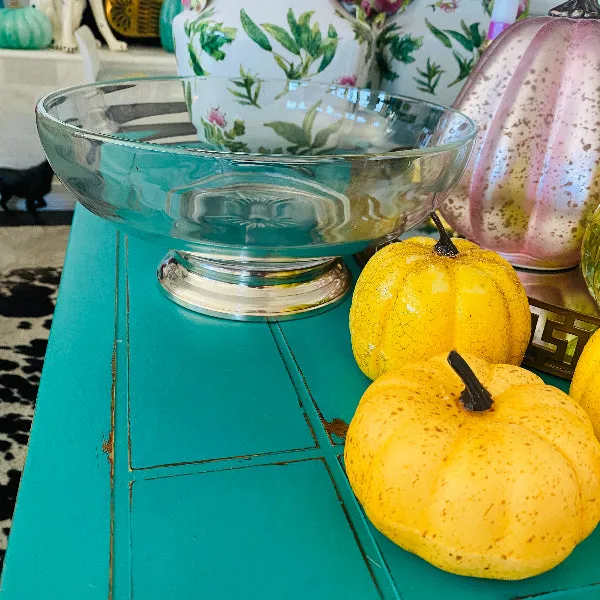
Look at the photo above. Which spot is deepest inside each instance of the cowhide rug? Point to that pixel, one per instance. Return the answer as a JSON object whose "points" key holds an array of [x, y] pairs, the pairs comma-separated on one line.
{"points": [[27, 300]]}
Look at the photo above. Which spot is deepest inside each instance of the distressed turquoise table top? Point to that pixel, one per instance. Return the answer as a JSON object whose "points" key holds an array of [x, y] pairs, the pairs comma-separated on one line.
{"points": [[175, 456]]}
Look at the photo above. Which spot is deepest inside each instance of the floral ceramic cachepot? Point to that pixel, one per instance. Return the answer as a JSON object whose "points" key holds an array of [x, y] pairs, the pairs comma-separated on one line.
{"points": [[427, 49], [314, 40], [420, 49]]}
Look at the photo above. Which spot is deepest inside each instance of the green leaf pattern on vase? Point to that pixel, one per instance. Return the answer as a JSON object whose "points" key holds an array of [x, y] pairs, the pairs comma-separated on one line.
{"points": [[469, 39], [301, 138], [305, 42], [429, 77], [452, 34], [187, 90], [393, 45], [409, 57], [209, 36], [424, 49], [248, 91], [273, 39]]}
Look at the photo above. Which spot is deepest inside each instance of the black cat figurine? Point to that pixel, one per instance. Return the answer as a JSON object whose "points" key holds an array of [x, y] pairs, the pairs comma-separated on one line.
{"points": [[32, 184]]}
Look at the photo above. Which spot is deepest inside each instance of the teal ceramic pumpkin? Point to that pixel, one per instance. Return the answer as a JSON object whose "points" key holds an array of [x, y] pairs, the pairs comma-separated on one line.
{"points": [[24, 28], [169, 10]]}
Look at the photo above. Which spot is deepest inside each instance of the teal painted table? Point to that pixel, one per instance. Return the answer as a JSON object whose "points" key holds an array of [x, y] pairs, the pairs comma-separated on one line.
{"points": [[175, 456]]}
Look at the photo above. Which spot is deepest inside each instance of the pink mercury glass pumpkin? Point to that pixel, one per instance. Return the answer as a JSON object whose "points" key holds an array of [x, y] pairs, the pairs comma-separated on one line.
{"points": [[534, 175]]}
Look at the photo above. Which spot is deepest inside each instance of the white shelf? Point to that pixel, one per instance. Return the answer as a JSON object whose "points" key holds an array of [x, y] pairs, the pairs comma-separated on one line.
{"points": [[54, 69], [134, 54], [140, 55], [26, 75]]}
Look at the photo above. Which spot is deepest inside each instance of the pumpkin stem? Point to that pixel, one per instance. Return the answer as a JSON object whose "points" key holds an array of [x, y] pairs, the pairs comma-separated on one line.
{"points": [[475, 398], [577, 9], [445, 246]]}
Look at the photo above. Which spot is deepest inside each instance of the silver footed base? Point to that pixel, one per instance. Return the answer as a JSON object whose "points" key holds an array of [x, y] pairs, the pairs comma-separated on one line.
{"points": [[253, 290]]}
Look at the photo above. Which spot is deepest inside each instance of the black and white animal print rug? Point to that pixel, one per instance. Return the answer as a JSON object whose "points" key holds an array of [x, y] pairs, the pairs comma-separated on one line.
{"points": [[27, 299], [28, 290]]}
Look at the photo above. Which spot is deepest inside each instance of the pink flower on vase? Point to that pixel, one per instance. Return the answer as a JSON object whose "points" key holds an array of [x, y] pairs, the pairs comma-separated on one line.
{"points": [[389, 7], [522, 7], [216, 117], [366, 6], [185, 4], [348, 80], [448, 6]]}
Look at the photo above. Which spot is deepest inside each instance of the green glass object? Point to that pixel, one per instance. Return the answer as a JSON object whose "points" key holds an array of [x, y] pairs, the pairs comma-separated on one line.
{"points": [[590, 255], [170, 9], [24, 28]]}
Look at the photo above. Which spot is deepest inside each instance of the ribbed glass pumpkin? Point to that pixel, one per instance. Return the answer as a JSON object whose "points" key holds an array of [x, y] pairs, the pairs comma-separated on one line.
{"points": [[590, 255], [24, 28], [534, 176]]}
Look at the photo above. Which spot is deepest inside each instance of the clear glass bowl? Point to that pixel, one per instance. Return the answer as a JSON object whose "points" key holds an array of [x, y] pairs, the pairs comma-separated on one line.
{"points": [[260, 191]]}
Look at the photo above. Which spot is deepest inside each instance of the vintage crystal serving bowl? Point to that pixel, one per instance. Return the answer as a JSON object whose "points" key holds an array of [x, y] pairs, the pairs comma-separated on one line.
{"points": [[260, 186]]}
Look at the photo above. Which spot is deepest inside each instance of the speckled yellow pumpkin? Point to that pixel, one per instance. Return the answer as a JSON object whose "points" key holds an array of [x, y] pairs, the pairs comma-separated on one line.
{"points": [[491, 474], [417, 298], [585, 387]]}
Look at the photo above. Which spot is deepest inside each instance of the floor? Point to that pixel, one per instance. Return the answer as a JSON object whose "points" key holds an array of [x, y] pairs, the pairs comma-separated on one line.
{"points": [[31, 261]]}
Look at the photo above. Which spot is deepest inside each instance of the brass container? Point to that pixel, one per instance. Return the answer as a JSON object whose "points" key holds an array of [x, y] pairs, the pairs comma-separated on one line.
{"points": [[563, 316], [134, 18]]}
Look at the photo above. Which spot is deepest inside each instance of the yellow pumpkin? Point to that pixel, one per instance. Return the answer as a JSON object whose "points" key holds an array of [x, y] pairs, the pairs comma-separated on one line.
{"points": [[488, 474], [585, 386], [417, 298]]}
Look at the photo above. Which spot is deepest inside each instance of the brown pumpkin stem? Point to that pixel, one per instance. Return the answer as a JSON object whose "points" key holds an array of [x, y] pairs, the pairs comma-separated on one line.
{"points": [[475, 398], [445, 246], [577, 9]]}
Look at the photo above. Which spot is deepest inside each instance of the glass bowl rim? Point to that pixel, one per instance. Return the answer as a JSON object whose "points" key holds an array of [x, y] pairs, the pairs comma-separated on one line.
{"points": [[41, 112]]}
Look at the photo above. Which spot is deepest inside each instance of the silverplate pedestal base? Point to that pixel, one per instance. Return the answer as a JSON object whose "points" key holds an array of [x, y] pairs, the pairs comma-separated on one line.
{"points": [[253, 290]]}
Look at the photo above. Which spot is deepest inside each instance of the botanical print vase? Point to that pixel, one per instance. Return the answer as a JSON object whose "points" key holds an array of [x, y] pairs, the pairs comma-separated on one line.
{"points": [[239, 115], [311, 40], [429, 49]]}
